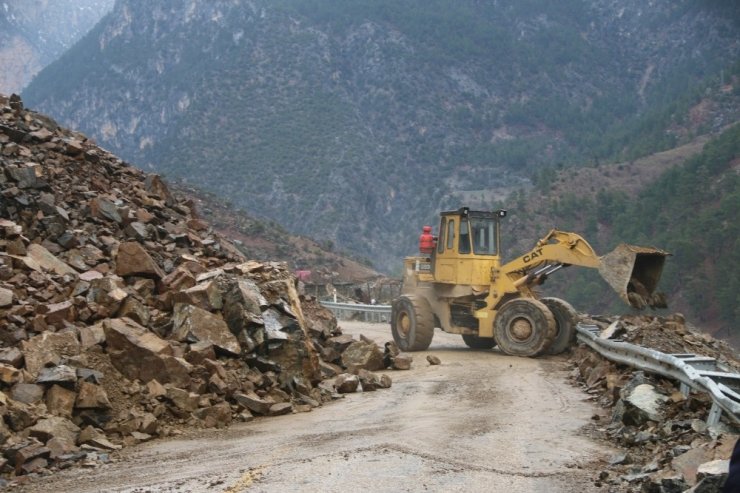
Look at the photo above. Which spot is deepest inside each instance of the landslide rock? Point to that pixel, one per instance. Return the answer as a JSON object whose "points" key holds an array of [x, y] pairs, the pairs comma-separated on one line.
{"points": [[48, 348], [133, 259], [125, 314], [140, 354], [363, 355], [194, 324]]}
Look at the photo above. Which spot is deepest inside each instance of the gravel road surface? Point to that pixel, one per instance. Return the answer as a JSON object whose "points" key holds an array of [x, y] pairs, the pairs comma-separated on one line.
{"points": [[480, 421]]}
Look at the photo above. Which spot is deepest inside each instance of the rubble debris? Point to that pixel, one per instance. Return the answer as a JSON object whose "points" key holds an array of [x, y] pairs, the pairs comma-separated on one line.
{"points": [[663, 434], [125, 317]]}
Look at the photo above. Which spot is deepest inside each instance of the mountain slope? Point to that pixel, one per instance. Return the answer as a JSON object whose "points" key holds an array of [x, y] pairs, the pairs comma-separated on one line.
{"points": [[33, 33], [356, 123]]}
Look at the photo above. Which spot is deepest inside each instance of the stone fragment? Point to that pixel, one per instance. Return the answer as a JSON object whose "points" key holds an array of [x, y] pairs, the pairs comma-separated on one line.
{"points": [[45, 260], [385, 381], [433, 360], [6, 297], [216, 416], [48, 348], [368, 380], [60, 447], [156, 186], [91, 335], [135, 310], [199, 352], [206, 296], [402, 361], [187, 401], [92, 436], [179, 279], [55, 427], [60, 401], [340, 343], [11, 356], [57, 374], [155, 389], [29, 452], [89, 375], [149, 424], [639, 404], [242, 305], [132, 259], [140, 354], [195, 324], [104, 209], [91, 396], [9, 374], [253, 402], [362, 355], [59, 313], [27, 393], [346, 383], [280, 408]]}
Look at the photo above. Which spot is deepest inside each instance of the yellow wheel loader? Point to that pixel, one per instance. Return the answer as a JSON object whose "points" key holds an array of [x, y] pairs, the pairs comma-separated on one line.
{"points": [[460, 286]]}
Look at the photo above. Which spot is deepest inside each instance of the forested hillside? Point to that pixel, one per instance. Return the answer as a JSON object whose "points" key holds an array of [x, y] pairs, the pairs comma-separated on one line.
{"points": [[690, 210], [355, 122]]}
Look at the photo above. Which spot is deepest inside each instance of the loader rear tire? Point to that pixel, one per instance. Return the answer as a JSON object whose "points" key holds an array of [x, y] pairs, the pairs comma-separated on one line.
{"points": [[524, 327], [475, 342], [412, 323], [565, 324]]}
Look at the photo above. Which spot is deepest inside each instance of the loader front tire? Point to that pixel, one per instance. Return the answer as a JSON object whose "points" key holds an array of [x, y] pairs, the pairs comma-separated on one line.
{"points": [[475, 342], [524, 327], [412, 323], [565, 324]]}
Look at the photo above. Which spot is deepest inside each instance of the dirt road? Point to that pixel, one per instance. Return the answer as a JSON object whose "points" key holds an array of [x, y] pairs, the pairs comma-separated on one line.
{"points": [[480, 421]]}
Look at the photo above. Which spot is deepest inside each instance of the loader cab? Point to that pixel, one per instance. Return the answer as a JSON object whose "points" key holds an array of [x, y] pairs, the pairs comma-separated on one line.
{"points": [[468, 246]]}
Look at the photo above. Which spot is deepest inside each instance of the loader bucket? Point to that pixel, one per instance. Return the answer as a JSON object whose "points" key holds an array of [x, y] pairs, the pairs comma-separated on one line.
{"points": [[633, 272]]}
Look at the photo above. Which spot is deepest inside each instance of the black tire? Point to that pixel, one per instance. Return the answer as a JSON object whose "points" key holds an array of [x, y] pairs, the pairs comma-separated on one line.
{"points": [[475, 342], [412, 323], [524, 327], [565, 324]]}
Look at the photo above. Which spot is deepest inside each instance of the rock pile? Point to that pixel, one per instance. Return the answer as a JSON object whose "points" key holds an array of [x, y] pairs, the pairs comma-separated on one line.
{"points": [[666, 442], [124, 317]]}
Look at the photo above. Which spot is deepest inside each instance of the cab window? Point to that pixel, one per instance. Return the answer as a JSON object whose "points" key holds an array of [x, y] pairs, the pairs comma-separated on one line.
{"points": [[464, 245], [450, 234], [484, 236], [441, 239]]}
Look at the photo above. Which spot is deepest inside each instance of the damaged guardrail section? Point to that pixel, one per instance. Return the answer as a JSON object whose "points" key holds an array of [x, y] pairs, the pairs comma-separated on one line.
{"points": [[698, 373]]}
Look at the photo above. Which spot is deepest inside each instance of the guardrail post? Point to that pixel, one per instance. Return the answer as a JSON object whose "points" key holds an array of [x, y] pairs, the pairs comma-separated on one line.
{"points": [[714, 415], [685, 389]]}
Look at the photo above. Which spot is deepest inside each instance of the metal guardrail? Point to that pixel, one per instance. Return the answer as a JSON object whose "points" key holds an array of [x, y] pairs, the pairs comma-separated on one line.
{"points": [[698, 373], [369, 313]]}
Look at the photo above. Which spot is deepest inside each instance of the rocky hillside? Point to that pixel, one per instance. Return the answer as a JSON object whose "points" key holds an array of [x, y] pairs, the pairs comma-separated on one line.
{"points": [[124, 317], [34, 33], [355, 122]]}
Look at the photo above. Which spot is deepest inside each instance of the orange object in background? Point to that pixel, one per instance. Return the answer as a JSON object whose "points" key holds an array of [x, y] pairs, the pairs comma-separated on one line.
{"points": [[426, 241]]}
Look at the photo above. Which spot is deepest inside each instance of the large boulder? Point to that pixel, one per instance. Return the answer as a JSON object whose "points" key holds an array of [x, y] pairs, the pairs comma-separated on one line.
{"points": [[194, 324], [140, 354], [133, 260], [205, 295], [363, 355]]}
